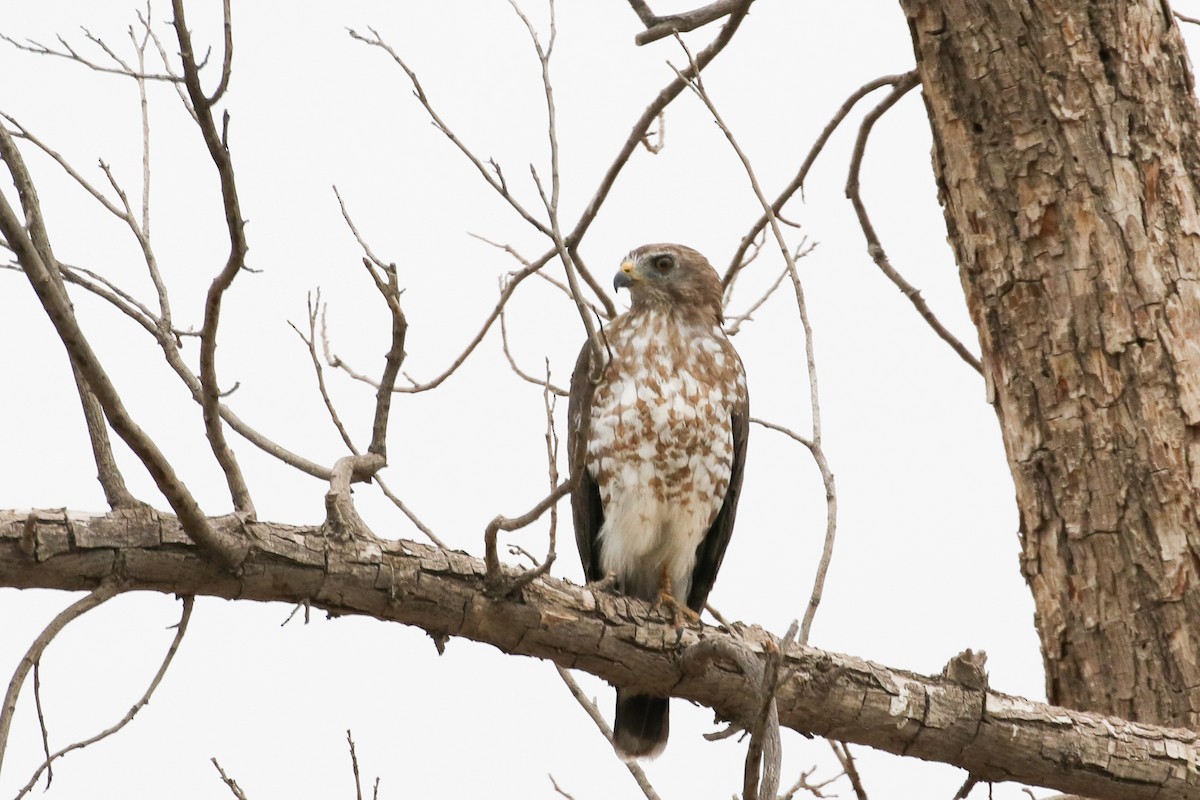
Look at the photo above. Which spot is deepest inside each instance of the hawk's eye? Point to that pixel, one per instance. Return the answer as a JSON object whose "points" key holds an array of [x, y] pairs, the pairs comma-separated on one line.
{"points": [[663, 264]]}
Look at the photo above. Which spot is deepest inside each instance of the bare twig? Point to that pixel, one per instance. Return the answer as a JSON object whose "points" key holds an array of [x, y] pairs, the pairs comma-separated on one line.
{"points": [[572, 239], [873, 246], [396, 501], [842, 751], [41, 271], [180, 631], [33, 655], [636, 771], [815, 789], [512, 363], [739, 260], [652, 112], [502, 523], [158, 326], [764, 755], [354, 764], [494, 177], [71, 54], [218, 150], [230, 782], [809, 356], [734, 324], [661, 27], [549, 401], [227, 63], [310, 341], [41, 715], [558, 789]]}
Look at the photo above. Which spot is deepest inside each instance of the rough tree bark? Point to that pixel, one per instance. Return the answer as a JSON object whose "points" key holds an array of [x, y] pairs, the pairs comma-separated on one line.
{"points": [[1066, 154], [953, 718]]}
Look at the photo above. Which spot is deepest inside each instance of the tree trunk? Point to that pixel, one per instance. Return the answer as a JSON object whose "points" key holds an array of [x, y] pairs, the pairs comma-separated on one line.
{"points": [[1065, 148]]}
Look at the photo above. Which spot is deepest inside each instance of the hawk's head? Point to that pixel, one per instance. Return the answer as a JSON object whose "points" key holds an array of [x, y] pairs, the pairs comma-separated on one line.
{"points": [[670, 275]]}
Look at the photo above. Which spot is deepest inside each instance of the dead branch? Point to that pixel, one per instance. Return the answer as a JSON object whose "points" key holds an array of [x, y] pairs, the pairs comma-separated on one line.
{"points": [[180, 631], [809, 354], [230, 782], [493, 177], [41, 715], [739, 260], [735, 323], [354, 765], [310, 341], [520, 373], [159, 326], [989, 734], [551, 202], [218, 150], [71, 54], [873, 246], [652, 112], [661, 27], [106, 590], [842, 751], [41, 276], [502, 523], [634, 768]]}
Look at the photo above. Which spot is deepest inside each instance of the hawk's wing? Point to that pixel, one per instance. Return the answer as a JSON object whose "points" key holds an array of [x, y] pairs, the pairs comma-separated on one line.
{"points": [[585, 497], [711, 550]]}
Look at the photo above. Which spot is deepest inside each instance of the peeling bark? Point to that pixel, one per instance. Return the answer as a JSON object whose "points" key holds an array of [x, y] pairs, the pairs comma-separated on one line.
{"points": [[1066, 154], [993, 736]]}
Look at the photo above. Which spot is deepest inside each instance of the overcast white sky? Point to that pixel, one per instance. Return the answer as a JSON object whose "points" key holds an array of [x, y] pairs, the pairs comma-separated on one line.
{"points": [[927, 559]]}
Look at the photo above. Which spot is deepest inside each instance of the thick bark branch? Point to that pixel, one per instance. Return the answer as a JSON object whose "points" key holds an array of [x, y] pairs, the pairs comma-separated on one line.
{"points": [[993, 736]]}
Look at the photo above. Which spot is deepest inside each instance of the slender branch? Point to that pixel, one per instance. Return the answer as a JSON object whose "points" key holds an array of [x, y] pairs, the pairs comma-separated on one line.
{"points": [[180, 631], [510, 286], [219, 152], [512, 363], [873, 246], [354, 765], [41, 715], [310, 341], [502, 523], [643, 123], [493, 177], [572, 239], [404, 509], [227, 62], [809, 356], [71, 54], [661, 27], [105, 591], [230, 782], [842, 751], [735, 323], [739, 259], [229, 551], [636, 771]]}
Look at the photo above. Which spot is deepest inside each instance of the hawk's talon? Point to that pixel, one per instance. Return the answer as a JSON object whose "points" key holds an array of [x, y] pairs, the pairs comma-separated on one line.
{"points": [[681, 615], [606, 584]]}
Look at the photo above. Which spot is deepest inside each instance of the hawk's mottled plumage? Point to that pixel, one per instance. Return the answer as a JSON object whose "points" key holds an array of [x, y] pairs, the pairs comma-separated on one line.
{"points": [[661, 439]]}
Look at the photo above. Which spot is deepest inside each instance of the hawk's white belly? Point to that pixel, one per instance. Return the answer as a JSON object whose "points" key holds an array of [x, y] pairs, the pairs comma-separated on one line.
{"points": [[661, 447]]}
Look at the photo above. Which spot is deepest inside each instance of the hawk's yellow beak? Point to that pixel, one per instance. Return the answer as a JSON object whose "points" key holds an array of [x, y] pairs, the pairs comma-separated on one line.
{"points": [[625, 278]]}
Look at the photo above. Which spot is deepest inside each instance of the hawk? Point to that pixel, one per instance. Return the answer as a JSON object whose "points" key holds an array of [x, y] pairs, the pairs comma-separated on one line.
{"points": [[658, 442]]}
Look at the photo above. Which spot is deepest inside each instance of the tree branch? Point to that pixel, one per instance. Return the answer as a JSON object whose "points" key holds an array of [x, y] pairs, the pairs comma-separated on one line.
{"points": [[873, 245], [991, 735]]}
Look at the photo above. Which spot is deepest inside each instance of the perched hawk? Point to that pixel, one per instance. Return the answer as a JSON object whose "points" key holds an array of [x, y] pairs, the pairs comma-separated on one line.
{"points": [[661, 440]]}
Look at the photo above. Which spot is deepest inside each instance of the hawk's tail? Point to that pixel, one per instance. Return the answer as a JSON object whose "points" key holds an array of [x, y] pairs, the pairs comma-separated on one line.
{"points": [[641, 725]]}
